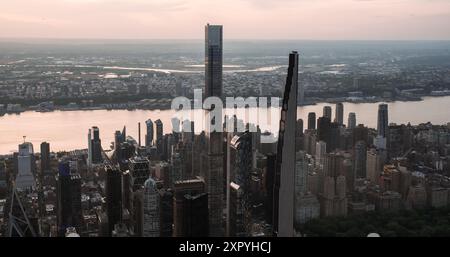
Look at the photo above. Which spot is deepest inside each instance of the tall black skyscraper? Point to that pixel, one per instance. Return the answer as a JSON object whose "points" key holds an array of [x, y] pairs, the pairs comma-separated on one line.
{"points": [[213, 60], [69, 213], [182, 206], [95, 146], [312, 120], [113, 188], [213, 168], [383, 121], [195, 215], [45, 158], [285, 165], [323, 129]]}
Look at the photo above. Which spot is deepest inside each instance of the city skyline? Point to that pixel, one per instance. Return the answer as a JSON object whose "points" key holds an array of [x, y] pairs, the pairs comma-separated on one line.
{"points": [[168, 19], [345, 153]]}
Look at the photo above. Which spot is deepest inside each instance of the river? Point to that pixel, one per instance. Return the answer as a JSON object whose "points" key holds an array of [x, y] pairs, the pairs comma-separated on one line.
{"points": [[67, 130]]}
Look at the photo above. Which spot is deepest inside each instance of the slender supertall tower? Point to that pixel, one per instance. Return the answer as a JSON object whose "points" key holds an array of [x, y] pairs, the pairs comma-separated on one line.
{"points": [[283, 224], [213, 172], [213, 60]]}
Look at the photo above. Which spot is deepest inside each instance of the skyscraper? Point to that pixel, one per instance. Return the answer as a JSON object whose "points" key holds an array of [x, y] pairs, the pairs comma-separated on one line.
{"points": [[184, 188], [25, 166], [45, 157], [285, 164], [237, 212], [89, 157], [213, 60], [240, 162], [339, 116], [95, 151], [213, 169], [312, 120], [151, 209], [327, 112], [159, 137], [360, 155], [195, 215], [113, 188], [374, 165], [149, 134], [301, 173], [139, 171], [299, 128], [321, 150], [119, 138], [323, 129], [351, 120], [68, 192], [166, 212], [383, 122]]}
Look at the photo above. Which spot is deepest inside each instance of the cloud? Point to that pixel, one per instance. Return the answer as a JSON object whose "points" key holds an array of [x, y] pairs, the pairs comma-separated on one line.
{"points": [[271, 19]]}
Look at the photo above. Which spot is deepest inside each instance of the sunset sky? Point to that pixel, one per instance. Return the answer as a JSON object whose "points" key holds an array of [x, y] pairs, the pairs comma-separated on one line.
{"points": [[242, 19]]}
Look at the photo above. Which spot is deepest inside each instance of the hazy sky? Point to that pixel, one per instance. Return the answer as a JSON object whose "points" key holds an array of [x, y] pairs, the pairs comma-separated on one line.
{"points": [[242, 19]]}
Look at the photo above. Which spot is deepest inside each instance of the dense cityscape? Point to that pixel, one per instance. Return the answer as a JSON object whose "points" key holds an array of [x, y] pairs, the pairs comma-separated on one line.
{"points": [[85, 75], [321, 175]]}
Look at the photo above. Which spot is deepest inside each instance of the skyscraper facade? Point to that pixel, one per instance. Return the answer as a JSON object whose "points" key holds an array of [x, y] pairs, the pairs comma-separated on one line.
{"points": [[213, 168], [159, 138], [360, 155], [312, 120], [351, 120], [339, 116], [240, 161], [149, 135], [113, 188], [68, 205], [213, 60], [285, 165], [327, 112], [184, 188], [151, 209], [25, 166], [383, 121], [139, 171], [95, 151], [45, 157]]}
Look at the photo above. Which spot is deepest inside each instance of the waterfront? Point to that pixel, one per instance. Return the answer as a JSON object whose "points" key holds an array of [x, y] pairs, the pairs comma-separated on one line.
{"points": [[67, 130]]}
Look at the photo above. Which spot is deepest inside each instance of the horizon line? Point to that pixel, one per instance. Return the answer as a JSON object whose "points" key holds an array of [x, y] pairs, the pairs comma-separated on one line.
{"points": [[201, 39]]}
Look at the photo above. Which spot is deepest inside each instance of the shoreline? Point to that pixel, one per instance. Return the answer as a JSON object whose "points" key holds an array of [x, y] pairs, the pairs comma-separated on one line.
{"points": [[166, 106]]}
